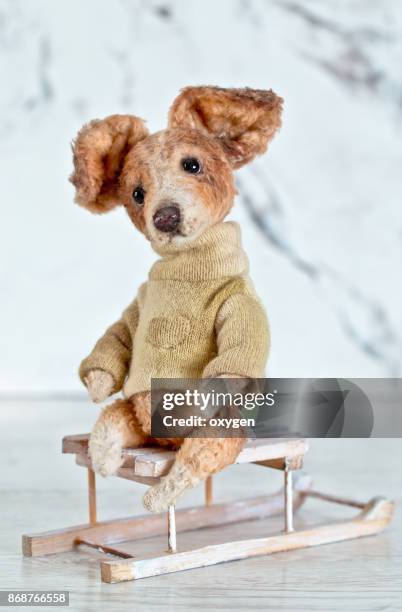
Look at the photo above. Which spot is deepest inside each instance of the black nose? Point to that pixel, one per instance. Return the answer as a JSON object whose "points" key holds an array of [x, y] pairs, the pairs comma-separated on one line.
{"points": [[167, 219]]}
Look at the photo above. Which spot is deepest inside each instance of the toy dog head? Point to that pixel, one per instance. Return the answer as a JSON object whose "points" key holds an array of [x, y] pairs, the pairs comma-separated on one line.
{"points": [[177, 182]]}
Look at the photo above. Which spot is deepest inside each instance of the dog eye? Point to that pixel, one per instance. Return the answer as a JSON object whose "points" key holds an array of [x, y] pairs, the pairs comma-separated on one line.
{"points": [[139, 195], [191, 165]]}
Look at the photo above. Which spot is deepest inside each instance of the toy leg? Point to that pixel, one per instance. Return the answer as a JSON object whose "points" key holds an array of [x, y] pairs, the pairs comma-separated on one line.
{"points": [[196, 459], [116, 427], [141, 403]]}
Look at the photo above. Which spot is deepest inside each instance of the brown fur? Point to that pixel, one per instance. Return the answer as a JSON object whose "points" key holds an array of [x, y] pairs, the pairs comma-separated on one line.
{"points": [[223, 129], [243, 120], [159, 156], [99, 151]]}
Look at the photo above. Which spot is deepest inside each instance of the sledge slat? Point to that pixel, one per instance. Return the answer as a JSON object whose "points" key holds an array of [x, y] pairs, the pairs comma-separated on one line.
{"points": [[154, 462]]}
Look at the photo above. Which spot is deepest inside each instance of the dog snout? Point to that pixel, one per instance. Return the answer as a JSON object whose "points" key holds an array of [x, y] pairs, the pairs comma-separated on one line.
{"points": [[167, 218]]}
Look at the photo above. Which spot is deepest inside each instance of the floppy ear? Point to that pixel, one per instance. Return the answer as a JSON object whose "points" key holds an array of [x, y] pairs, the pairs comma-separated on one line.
{"points": [[244, 120], [99, 152]]}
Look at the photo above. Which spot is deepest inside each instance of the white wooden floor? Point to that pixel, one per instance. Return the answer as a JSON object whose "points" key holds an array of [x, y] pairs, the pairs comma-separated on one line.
{"points": [[41, 489]]}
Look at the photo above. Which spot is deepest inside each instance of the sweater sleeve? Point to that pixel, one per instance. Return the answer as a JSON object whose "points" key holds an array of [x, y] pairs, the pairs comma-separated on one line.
{"points": [[112, 353], [242, 334]]}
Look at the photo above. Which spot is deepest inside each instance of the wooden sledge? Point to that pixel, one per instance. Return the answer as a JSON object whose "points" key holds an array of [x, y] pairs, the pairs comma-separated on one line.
{"points": [[147, 465]]}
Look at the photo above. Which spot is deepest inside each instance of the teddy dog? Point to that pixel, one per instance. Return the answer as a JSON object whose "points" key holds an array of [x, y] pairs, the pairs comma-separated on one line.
{"points": [[197, 315]]}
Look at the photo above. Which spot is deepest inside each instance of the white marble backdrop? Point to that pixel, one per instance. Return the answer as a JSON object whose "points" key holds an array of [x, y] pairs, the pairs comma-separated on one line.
{"points": [[321, 212]]}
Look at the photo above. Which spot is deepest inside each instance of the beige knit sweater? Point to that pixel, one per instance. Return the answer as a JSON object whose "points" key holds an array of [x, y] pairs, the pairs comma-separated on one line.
{"points": [[196, 316]]}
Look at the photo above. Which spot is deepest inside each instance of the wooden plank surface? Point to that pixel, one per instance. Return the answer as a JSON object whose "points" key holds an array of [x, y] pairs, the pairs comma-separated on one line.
{"points": [[124, 472], [354, 576], [154, 462], [148, 525], [373, 519]]}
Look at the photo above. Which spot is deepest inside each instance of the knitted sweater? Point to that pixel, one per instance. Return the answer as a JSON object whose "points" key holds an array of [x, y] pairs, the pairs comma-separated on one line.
{"points": [[196, 316]]}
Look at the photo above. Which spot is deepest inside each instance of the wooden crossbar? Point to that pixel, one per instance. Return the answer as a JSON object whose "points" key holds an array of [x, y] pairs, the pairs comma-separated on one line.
{"points": [[373, 519], [137, 528], [154, 462]]}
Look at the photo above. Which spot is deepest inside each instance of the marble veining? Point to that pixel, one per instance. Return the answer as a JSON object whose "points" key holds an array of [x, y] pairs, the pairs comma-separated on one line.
{"points": [[320, 213]]}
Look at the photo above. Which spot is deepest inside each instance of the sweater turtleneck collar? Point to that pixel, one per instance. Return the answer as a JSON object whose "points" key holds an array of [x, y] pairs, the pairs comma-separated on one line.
{"points": [[217, 253]]}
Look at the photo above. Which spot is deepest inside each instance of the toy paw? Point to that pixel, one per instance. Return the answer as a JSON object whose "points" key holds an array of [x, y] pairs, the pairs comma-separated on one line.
{"points": [[164, 494], [99, 384], [106, 458], [155, 500]]}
